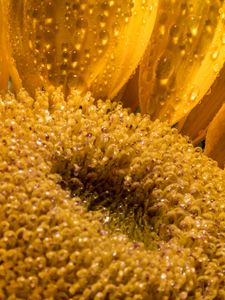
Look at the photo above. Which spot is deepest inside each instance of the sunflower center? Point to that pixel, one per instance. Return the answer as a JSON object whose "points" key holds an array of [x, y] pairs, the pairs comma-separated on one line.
{"points": [[112, 195]]}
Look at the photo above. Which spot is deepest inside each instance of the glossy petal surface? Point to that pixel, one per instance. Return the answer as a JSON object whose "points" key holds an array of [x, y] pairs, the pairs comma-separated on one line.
{"points": [[196, 123], [185, 55], [89, 45], [215, 138]]}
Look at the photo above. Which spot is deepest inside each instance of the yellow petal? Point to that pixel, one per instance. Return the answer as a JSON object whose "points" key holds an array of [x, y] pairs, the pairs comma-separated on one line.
{"points": [[215, 138], [197, 121], [185, 55], [4, 70], [90, 45]]}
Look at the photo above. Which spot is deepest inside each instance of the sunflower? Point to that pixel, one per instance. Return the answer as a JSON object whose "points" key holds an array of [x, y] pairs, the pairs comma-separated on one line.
{"points": [[96, 201]]}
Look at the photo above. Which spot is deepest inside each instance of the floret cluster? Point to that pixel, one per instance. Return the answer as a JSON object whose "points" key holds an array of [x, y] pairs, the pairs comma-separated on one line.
{"points": [[99, 203]]}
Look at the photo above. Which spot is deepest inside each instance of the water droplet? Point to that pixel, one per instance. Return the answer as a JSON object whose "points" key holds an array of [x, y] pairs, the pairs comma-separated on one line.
{"points": [[104, 37], [193, 25], [194, 95], [164, 68], [215, 53], [49, 67], [208, 27], [162, 29], [174, 32], [30, 44], [77, 46], [102, 21], [182, 51], [76, 81], [116, 30], [162, 102], [111, 3], [48, 21]]}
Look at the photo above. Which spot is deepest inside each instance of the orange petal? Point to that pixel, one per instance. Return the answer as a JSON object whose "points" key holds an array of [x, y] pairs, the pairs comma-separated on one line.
{"points": [[215, 138], [196, 123], [8, 66], [4, 69], [93, 45], [185, 55], [130, 93]]}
